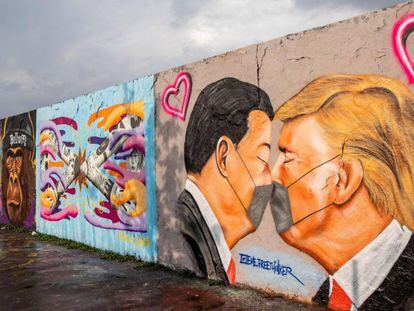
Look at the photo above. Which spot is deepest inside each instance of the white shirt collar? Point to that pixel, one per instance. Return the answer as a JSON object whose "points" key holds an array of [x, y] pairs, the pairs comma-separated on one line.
{"points": [[365, 272], [212, 223]]}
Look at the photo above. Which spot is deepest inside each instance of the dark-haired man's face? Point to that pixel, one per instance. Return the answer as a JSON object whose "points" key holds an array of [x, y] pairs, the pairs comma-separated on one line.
{"points": [[248, 162]]}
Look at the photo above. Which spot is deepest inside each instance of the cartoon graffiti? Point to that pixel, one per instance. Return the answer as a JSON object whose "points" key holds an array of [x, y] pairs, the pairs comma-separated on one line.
{"points": [[226, 157], [96, 169], [401, 31], [173, 89], [58, 167], [126, 197], [124, 208], [346, 159], [18, 176]]}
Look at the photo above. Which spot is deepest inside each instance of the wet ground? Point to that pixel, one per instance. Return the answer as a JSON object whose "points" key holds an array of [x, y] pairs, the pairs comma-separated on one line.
{"points": [[36, 275]]}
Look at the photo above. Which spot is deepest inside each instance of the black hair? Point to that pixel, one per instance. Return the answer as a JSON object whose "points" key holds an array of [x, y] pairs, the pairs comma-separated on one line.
{"points": [[221, 109]]}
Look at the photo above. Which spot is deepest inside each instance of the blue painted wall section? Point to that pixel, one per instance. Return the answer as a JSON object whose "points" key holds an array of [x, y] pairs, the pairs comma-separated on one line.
{"points": [[95, 150]]}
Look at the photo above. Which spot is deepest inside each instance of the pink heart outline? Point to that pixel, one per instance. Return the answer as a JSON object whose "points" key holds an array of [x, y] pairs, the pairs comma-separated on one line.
{"points": [[182, 77], [402, 29]]}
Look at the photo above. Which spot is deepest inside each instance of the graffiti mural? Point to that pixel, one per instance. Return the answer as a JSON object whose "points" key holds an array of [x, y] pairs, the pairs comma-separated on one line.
{"points": [[285, 166], [127, 142], [18, 170], [227, 165], [95, 166], [292, 171], [346, 161], [57, 169]]}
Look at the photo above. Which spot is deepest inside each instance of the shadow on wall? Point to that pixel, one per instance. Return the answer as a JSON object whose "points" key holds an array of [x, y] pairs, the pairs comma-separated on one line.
{"points": [[167, 132]]}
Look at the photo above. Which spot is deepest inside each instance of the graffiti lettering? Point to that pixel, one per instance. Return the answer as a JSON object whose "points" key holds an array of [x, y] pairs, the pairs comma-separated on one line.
{"points": [[274, 266], [16, 139]]}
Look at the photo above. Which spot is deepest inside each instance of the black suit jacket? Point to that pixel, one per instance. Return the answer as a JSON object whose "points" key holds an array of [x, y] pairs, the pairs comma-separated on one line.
{"points": [[196, 241], [396, 292]]}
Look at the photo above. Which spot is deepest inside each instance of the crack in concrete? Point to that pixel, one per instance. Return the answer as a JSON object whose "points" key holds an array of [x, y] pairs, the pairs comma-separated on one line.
{"points": [[262, 58], [99, 108], [259, 64], [382, 26], [154, 81], [77, 110], [356, 53], [257, 69], [298, 58], [397, 12]]}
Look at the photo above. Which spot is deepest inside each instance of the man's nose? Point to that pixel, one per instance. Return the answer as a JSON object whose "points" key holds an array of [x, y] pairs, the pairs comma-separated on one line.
{"points": [[13, 179], [276, 168]]}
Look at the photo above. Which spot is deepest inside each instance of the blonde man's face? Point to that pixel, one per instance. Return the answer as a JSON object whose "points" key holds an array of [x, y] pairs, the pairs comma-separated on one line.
{"points": [[309, 168]]}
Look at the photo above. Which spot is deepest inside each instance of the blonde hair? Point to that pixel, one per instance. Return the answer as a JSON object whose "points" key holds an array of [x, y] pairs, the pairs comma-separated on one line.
{"points": [[372, 117]]}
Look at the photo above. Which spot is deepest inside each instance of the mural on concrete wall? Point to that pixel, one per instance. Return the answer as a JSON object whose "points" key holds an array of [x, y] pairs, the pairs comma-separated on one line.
{"points": [[226, 151], [285, 166], [346, 157], [3, 216], [57, 169], [18, 170], [291, 177], [96, 167]]}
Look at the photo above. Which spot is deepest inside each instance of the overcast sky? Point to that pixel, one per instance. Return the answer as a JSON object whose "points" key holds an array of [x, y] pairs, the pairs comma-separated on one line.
{"points": [[58, 49]]}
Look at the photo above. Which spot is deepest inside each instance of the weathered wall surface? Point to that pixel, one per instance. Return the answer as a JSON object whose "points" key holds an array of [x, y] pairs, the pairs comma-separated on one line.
{"points": [[95, 168], [282, 68], [285, 166]]}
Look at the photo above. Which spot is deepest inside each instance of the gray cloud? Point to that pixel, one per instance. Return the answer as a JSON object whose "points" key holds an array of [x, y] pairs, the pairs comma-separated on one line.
{"points": [[360, 4], [56, 50]]}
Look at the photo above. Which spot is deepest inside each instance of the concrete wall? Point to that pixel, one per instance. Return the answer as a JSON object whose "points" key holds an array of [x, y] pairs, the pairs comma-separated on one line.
{"points": [[325, 114], [281, 67]]}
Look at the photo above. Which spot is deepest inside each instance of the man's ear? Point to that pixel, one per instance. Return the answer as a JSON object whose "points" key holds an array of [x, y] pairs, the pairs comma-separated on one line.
{"points": [[222, 151], [349, 179]]}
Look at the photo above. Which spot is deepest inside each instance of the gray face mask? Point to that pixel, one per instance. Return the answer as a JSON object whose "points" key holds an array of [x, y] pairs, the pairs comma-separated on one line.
{"points": [[280, 204], [280, 207], [278, 196], [261, 197]]}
